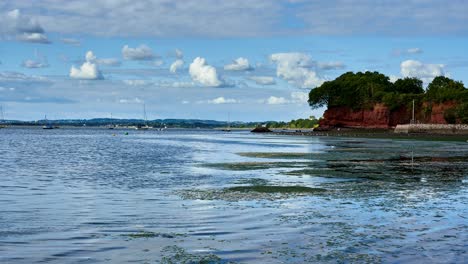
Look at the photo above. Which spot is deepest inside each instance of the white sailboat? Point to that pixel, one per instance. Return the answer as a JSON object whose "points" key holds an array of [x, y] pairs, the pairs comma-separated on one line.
{"points": [[144, 127]]}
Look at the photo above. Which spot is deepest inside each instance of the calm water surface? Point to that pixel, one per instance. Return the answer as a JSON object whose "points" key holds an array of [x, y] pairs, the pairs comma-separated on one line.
{"points": [[86, 196]]}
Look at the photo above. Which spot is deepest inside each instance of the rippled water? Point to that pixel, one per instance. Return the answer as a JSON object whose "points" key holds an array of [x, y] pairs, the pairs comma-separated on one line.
{"points": [[86, 196]]}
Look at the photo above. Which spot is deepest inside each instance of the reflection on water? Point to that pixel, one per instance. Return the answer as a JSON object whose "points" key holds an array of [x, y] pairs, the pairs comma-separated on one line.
{"points": [[83, 195]]}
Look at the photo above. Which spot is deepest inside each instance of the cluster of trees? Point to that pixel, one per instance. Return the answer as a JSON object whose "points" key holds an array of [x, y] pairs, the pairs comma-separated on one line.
{"points": [[298, 123], [363, 90]]}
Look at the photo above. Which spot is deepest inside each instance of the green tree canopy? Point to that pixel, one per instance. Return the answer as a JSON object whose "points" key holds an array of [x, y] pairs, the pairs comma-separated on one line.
{"points": [[363, 90], [408, 86]]}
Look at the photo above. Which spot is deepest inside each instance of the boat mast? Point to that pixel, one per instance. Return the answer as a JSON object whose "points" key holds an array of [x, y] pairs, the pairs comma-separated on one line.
{"points": [[144, 115], [2, 117]]}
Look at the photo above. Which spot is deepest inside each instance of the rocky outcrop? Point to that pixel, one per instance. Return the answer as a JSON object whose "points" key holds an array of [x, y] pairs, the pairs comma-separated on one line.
{"points": [[261, 129], [381, 117]]}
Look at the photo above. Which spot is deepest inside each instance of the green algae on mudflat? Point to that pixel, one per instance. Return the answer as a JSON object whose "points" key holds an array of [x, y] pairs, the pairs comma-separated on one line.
{"points": [[251, 192], [147, 234], [277, 155], [245, 166], [274, 189], [252, 181], [175, 254]]}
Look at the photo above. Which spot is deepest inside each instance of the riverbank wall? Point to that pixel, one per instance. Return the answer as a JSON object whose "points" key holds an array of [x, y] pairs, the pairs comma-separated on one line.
{"points": [[459, 129]]}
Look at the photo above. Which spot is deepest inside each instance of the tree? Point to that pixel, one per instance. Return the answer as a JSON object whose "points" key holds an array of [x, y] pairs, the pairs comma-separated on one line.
{"points": [[443, 89], [408, 86]]}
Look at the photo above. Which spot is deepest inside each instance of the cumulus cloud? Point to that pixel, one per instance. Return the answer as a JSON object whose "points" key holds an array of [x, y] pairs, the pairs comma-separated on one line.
{"points": [[263, 80], [31, 64], [176, 65], [295, 98], [239, 64], [425, 72], [203, 73], [296, 68], [300, 97], [88, 70], [141, 52], [219, 100], [273, 100], [21, 27]]}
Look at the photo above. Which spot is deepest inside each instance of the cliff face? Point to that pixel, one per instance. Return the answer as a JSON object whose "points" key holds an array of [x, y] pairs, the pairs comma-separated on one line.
{"points": [[381, 117]]}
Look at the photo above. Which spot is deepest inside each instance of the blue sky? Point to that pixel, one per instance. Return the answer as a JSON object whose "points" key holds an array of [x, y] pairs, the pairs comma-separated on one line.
{"points": [[253, 60]]}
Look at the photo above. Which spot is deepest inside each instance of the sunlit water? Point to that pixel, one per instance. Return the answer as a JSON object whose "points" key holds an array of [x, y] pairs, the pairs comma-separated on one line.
{"points": [[81, 195]]}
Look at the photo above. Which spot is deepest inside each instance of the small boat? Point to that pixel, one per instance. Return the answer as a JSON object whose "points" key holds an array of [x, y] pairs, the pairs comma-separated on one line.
{"points": [[2, 118], [145, 126], [111, 125], [228, 128], [47, 125]]}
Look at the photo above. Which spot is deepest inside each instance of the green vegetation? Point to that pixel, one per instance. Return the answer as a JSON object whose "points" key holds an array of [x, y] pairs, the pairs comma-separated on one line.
{"points": [[146, 234], [363, 90], [246, 166], [277, 155], [275, 189], [310, 122]]}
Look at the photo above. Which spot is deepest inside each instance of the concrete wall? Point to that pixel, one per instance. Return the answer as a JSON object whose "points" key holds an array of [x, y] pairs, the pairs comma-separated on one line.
{"points": [[432, 129]]}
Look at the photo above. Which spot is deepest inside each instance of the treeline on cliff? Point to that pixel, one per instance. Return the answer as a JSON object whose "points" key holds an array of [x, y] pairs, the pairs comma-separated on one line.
{"points": [[363, 90]]}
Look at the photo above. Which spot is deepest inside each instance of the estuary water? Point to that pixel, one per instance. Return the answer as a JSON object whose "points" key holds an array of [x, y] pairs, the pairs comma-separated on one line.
{"points": [[190, 196]]}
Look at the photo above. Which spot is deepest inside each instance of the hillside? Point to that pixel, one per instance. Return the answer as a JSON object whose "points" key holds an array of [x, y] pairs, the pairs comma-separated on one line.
{"points": [[370, 100]]}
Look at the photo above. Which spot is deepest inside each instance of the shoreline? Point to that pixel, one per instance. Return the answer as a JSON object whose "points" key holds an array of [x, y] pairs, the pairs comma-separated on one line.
{"points": [[377, 134]]}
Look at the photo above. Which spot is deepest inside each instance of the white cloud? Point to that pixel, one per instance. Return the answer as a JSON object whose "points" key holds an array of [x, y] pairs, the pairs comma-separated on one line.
{"points": [[239, 64], [135, 100], [182, 84], [179, 54], [88, 70], [109, 62], [296, 69], [219, 100], [141, 52], [34, 38], [71, 41], [414, 51], [273, 100], [425, 72], [393, 78], [300, 97], [136, 82], [263, 80], [410, 51], [24, 28], [332, 65], [34, 64], [203, 73], [176, 65]]}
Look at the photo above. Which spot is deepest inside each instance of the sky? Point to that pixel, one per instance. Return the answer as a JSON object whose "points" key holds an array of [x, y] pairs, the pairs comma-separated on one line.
{"points": [[210, 59]]}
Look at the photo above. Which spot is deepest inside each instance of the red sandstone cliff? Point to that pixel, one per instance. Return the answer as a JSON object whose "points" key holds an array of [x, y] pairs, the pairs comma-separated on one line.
{"points": [[381, 117]]}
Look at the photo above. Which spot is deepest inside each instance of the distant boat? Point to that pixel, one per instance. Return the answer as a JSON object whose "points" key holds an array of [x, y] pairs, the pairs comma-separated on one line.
{"points": [[111, 125], [145, 126], [2, 118], [47, 125], [228, 128]]}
